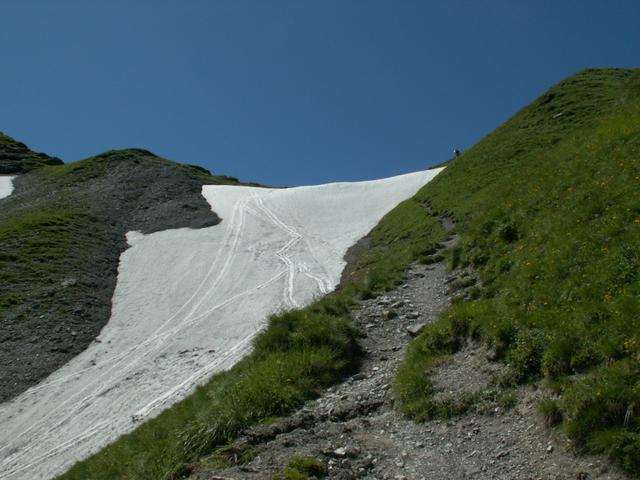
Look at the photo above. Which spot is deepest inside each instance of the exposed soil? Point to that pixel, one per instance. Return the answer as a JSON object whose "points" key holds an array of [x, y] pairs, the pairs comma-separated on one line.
{"points": [[66, 308], [356, 430]]}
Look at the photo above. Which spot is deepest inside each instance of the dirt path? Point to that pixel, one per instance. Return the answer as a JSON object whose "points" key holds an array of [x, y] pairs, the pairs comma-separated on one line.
{"points": [[356, 432]]}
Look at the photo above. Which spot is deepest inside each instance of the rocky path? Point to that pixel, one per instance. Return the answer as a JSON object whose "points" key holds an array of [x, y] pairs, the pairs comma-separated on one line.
{"points": [[355, 430]]}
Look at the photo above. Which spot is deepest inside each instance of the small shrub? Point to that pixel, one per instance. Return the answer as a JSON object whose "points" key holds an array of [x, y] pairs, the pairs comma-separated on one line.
{"points": [[607, 398], [550, 412], [557, 359], [507, 401], [508, 231], [455, 257], [301, 468], [526, 357], [431, 259], [502, 336], [623, 446], [627, 266]]}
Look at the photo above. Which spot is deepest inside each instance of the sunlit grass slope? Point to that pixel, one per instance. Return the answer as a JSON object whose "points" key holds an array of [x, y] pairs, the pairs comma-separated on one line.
{"points": [[548, 207]]}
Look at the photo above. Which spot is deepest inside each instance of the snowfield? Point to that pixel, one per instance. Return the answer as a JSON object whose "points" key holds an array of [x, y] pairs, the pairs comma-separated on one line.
{"points": [[187, 305], [6, 185]]}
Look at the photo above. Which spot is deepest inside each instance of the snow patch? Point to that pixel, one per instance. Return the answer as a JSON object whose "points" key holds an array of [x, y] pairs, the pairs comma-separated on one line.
{"points": [[6, 185], [187, 305]]}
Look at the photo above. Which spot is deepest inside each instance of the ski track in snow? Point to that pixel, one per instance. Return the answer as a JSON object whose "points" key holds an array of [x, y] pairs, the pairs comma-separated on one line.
{"points": [[188, 304]]}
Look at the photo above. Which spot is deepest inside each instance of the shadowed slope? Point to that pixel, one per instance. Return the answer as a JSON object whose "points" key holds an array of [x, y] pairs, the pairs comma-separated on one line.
{"points": [[61, 234]]}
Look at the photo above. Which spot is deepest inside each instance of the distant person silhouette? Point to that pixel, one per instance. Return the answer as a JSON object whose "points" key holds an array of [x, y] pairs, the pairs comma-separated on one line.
{"points": [[456, 152]]}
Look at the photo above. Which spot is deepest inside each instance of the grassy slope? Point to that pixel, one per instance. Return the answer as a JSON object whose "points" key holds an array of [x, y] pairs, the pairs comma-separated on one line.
{"points": [[548, 206], [41, 244], [93, 167]]}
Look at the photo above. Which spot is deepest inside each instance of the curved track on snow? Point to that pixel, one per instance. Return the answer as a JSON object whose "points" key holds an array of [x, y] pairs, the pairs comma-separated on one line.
{"points": [[187, 305]]}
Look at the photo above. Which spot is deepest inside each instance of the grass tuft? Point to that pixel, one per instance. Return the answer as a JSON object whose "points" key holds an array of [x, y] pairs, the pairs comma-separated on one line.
{"points": [[302, 468]]}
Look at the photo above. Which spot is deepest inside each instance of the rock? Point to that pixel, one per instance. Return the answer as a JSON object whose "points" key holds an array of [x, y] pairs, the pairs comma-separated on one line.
{"points": [[415, 329], [413, 315], [287, 442], [549, 448], [69, 282], [384, 301], [502, 453], [346, 452]]}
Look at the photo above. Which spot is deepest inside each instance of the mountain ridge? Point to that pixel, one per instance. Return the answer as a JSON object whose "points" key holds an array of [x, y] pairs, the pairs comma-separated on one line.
{"points": [[16, 157]]}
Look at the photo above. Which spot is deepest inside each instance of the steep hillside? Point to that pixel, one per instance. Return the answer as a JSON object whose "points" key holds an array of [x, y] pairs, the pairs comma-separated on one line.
{"points": [[16, 157], [548, 208], [61, 235], [548, 212]]}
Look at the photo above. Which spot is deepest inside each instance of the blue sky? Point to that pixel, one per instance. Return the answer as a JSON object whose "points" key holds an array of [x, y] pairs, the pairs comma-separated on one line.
{"points": [[292, 92]]}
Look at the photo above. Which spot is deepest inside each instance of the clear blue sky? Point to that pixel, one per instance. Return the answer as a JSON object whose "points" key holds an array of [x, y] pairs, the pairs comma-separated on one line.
{"points": [[292, 92]]}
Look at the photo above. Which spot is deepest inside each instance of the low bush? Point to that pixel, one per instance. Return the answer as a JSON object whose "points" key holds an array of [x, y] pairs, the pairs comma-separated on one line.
{"points": [[302, 468]]}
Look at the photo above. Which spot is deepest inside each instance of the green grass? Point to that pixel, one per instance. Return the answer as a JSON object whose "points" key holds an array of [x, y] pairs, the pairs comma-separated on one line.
{"points": [[40, 244], [548, 207], [93, 167], [301, 468], [406, 234], [16, 158]]}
